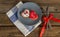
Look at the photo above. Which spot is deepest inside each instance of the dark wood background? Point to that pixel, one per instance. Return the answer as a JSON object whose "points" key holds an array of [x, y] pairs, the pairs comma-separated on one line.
{"points": [[7, 28]]}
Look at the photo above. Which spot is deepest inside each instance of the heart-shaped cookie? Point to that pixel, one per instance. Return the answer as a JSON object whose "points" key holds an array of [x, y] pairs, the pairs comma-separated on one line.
{"points": [[33, 15]]}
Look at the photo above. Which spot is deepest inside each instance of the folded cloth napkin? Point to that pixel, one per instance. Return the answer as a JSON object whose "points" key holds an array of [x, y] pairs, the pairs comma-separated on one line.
{"points": [[25, 29]]}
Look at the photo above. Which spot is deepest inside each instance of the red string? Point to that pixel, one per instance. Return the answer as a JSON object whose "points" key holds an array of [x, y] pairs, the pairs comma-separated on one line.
{"points": [[56, 20], [43, 29], [46, 21], [44, 25]]}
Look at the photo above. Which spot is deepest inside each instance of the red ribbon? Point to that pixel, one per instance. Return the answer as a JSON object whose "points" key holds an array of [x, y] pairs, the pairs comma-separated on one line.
{"points": [[46, 19]]}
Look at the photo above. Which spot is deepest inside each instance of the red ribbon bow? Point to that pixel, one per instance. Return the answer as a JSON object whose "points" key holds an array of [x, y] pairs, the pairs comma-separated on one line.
{"points": [[46, 19]]}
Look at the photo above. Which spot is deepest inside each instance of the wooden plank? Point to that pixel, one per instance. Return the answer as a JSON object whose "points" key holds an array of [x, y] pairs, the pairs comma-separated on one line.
{"points": [[52, 9], [6, 8], [38, 1], [4, 20], [45, 1], [14, 32], [8, 2], [55, 32], [6, 5]]}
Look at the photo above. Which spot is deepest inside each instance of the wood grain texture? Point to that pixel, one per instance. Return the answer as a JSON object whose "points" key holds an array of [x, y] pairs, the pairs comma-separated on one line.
{"points": [[52, 33], [4, 20], [6, 5], [8, 29], [14, 32]]}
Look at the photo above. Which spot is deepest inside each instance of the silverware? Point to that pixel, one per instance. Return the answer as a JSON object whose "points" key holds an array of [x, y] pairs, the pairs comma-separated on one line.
{"points": [[47, 15]]}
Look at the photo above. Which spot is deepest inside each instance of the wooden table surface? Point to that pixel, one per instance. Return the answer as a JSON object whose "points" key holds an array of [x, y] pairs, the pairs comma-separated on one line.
{"points": [[7, 28]]}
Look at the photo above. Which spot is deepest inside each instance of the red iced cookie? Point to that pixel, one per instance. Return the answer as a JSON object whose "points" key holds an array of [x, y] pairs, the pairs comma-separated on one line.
{"points": [[33, 15]]}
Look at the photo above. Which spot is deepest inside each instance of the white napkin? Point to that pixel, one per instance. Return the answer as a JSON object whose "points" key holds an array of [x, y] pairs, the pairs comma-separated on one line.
{"points": [[12, 14]]}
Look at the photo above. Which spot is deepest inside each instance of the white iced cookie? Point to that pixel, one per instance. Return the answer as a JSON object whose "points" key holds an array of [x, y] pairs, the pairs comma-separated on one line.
{"points": [[25, 13]]}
